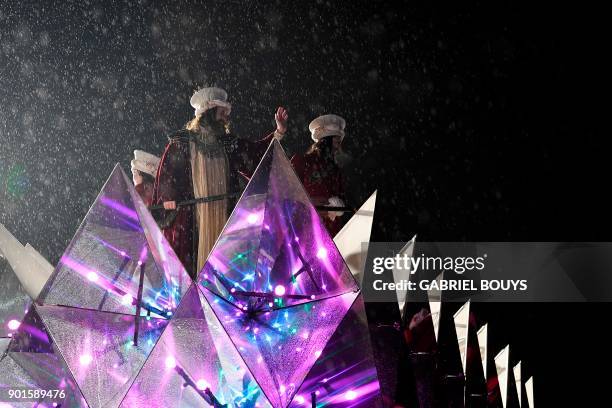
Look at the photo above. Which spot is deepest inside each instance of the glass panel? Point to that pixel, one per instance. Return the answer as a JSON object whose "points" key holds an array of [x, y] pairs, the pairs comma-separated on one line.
{"points": [[281, 346], [194, 355], [344, 375], [274, 250], [31, 360], [117, 240]]}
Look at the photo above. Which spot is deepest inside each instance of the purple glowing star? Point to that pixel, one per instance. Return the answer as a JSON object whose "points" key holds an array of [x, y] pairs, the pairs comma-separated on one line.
{"points": [[115, 289]]}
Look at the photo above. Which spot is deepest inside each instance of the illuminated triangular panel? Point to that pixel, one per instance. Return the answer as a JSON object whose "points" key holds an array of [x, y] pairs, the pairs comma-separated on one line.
{"points": [[280, 346], [30, 360], [344, 374], [118, 238], [274, 246], [98, 348], [194, 362]]}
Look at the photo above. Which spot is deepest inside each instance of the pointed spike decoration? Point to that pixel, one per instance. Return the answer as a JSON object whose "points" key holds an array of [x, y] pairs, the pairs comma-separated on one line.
{"points": [[482, 345], [14, 268], [194, 354], [518, 383], [435, 305], [529, 392], [353, 238], [461, 319], [276, 282], [275, 245], [42, 261], [25, 262], [112, 293], [403, 274], [502, 365], [345, 373], [118, 238]]}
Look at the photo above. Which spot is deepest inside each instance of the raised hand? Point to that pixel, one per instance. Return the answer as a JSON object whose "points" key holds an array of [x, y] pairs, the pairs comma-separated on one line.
{"points": [[281, 117]]}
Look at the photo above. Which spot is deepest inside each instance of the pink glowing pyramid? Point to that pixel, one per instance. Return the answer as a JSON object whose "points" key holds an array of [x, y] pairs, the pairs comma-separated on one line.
{"points": [[275, 318], [280, 289], [112, 293], [116, 245], [274, 250]]}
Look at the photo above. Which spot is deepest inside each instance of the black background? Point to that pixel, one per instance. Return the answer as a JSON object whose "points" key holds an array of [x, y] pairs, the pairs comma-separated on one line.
{"points": [[476, 121]]}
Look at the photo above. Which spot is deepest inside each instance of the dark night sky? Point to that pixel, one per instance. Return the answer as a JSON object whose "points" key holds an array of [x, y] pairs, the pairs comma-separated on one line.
{"points": [[476, 121]]}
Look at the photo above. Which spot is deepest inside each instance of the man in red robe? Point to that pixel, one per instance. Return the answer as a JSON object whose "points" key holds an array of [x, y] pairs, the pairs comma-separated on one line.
{"points": [[205, 160], [318, 169]]}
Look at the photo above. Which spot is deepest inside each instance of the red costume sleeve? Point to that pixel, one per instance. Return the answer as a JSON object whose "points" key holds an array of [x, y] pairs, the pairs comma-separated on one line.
{"points": [[173, 181]]}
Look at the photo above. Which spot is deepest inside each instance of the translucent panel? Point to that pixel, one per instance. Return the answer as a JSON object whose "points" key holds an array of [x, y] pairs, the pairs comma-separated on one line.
{"points": [[274, 250], [356, 232], [99, 350], [117, 240], [435, 305], [31, 360], [529, 392], [482, 345], [461, 319], [194, 355], [518, 382], [502, 363], [403, 274], [475, 379], [14, 301], [344, 375], [280, 346]]}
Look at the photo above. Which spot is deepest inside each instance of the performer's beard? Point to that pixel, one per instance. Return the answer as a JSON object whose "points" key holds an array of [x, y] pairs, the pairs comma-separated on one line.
{"points": [[212, 131]]}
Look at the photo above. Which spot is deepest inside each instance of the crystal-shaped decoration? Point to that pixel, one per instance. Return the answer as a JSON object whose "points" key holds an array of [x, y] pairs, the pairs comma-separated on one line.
{"points": [[112, 293]]}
